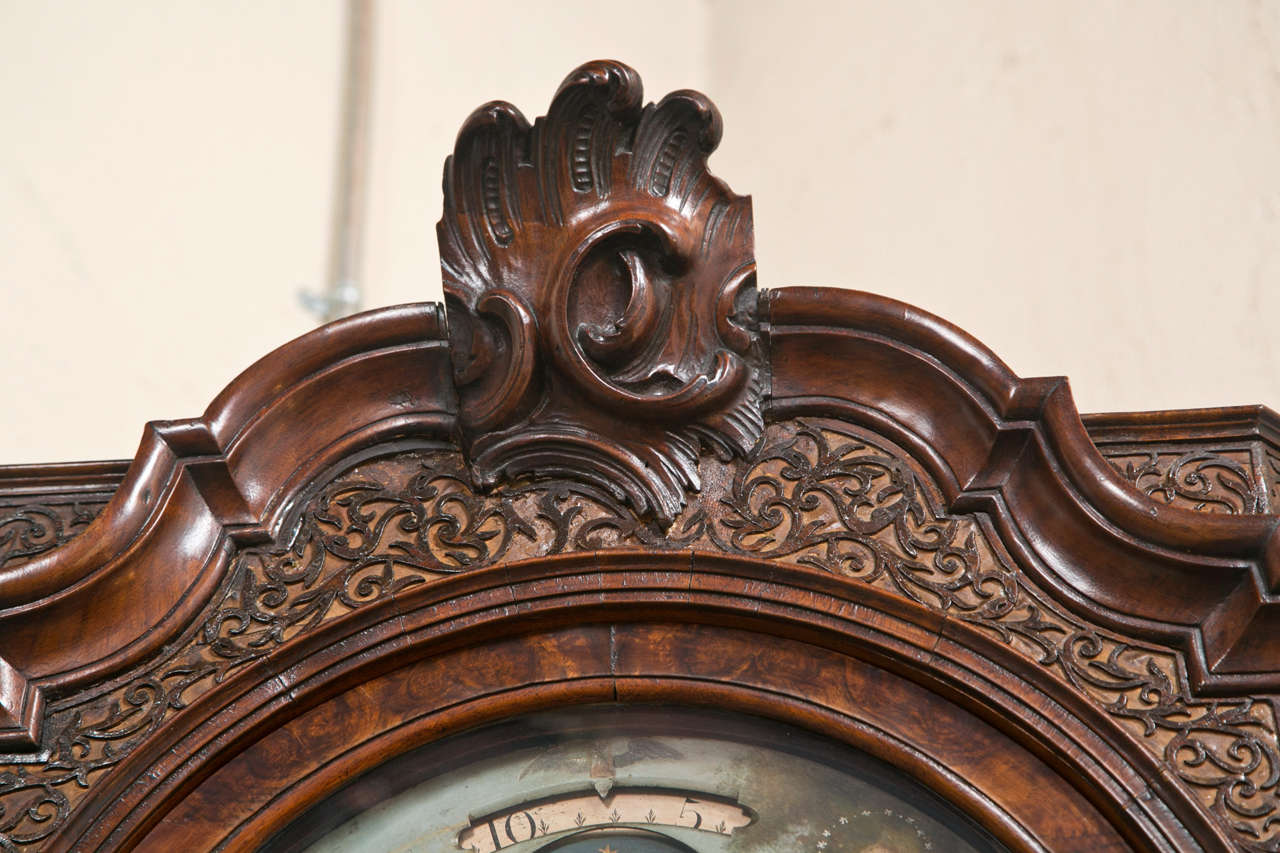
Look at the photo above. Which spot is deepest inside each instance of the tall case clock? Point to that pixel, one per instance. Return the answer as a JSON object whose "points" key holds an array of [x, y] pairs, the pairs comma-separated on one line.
{"points": [[617, 551]]}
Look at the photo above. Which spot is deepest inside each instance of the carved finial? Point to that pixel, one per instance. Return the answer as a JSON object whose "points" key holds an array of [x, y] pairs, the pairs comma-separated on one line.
{"points": [[600, 287]]}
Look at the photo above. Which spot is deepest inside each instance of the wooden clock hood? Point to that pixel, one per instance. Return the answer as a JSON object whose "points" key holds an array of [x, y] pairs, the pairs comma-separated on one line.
{"points": [[620, 472]]}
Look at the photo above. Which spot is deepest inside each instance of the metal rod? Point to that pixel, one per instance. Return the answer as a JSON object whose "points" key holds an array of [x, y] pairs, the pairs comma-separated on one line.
{"points": [[342, 294]]}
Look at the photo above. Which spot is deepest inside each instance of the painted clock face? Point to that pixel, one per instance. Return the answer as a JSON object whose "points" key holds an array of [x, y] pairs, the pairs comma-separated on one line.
{"points": [[617, 841], [635, 780]]}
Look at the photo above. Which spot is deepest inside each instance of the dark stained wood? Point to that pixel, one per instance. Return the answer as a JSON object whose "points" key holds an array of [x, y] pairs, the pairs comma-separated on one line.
{"points": [[1211, 460], [620, 474], [198, 488], [42, 507], [600, 284], [1246, 440], [567, 667], [996, 441]]}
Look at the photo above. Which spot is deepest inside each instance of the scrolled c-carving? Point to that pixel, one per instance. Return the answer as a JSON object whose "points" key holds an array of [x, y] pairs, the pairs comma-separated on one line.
{"points": [[600, 288]]}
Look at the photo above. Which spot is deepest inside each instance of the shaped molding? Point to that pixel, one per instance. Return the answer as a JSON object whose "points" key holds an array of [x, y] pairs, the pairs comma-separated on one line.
{"points": [[581, 458], [74, 616], [600, 288], [817, 496], [1210, 460]]}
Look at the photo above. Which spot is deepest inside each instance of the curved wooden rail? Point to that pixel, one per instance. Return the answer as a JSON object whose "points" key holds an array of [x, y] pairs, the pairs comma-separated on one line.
{"points": [[1018, 449], [221, 647], [199, 488]]}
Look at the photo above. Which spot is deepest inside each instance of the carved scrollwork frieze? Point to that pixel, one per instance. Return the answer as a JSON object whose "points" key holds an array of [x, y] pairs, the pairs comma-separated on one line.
{"points": [[1204, 479], [600, 289], [1272, 478], [813, 493], [31, 529]]}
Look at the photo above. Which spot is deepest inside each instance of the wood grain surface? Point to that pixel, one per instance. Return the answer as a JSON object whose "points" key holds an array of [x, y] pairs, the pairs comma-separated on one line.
{"points": [[619, 474]]}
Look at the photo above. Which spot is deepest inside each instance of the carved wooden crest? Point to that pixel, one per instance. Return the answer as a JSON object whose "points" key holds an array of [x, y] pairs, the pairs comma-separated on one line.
{"points": [[600, 288]]}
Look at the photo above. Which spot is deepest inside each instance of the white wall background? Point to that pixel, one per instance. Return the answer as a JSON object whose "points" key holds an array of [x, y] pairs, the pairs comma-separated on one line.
{"points": [[1092, 189]]}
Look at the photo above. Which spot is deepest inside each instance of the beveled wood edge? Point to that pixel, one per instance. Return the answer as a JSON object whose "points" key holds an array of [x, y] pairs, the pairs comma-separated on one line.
{"points": [[65, 480], [168, 446], [1044, 401], [958, 792], [219, 457], [1245, 423], [1026, 434], [32, 482], [212, 471], [1105, 763]]}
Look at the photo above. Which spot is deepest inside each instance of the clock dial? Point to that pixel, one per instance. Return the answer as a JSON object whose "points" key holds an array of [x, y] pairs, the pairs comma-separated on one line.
{"points": [[636, 780], [655, 807], [616, 841]]}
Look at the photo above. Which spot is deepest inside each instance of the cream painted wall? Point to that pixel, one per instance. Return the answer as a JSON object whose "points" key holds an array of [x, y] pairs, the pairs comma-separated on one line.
{"points": [[163, 164], [1092, 189], [439, 61], [166, 163]]}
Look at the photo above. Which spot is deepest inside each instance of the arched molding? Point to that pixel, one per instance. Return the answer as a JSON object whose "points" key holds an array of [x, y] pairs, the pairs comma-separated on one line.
{"points": [[197, 489], [841, 659], [615, 432], [1018, 448]]}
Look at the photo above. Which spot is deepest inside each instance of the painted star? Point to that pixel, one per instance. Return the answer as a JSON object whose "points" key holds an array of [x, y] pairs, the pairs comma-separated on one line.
{"points": [[606, 849]]}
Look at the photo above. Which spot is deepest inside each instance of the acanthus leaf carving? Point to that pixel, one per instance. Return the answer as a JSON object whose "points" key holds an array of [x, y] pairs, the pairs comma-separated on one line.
{"points": [[600, 288]]}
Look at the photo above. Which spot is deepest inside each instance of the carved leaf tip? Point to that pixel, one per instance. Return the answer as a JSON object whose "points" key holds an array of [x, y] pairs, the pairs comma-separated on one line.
{"points": [[596, 275]]}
